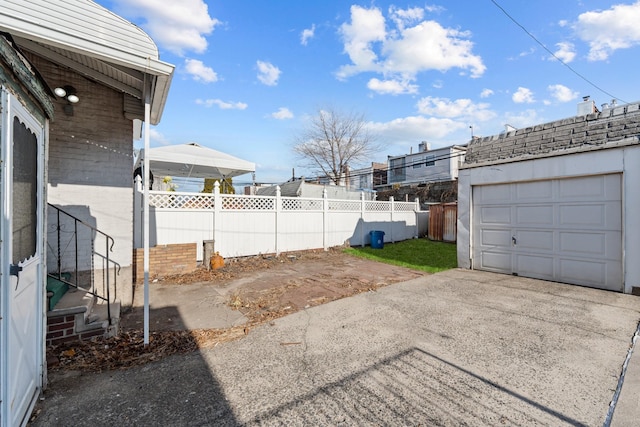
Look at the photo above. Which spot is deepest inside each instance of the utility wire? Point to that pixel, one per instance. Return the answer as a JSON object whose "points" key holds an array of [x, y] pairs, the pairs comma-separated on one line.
{"points": [[554, 55]]}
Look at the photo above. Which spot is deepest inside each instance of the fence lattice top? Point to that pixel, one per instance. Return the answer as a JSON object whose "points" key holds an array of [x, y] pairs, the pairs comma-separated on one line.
{"points": [[200, 201]]}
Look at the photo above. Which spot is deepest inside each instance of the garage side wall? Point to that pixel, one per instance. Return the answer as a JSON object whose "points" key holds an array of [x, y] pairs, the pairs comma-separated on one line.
{"points": [[605, 161]]}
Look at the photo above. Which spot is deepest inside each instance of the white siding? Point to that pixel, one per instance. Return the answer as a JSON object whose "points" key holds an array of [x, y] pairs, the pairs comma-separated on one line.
{"points": [[77, 25]]}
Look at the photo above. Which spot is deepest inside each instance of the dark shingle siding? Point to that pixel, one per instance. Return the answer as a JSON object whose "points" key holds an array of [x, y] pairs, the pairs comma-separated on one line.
{"points": [[554, 138]]}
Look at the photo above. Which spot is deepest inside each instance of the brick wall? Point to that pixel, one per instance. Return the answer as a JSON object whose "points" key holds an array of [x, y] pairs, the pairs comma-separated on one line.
{"points": [[580, 132], [165, 260], [62, 329]]}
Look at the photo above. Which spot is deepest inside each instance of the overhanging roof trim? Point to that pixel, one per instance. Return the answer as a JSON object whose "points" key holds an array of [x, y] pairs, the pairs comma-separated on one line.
{"points": [[84, 27], [90, 36]]}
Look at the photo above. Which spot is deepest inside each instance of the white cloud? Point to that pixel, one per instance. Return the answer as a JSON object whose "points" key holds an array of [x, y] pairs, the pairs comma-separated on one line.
{"points": [[416, 128], [523, 119], [178, 26], [367, 27], [407, 49], [523, 95], [156, 138], [609, 30], [562, 93], [566, 52], [307, 34], [199, 71], [283, 113], [404, 17], [486, 93], [392, 87], [268, 73], [460, 108], [223, 105]]}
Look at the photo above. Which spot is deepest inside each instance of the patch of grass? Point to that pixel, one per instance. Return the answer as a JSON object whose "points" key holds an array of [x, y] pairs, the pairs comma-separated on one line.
{"points": [[419, 254]]}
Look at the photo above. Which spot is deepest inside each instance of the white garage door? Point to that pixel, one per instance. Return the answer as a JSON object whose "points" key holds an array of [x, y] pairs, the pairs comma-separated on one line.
{"points": [[565, 230]]}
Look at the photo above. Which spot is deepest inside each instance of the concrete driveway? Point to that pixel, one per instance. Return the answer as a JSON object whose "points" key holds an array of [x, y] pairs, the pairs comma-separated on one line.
{"points": [[456, 348]]}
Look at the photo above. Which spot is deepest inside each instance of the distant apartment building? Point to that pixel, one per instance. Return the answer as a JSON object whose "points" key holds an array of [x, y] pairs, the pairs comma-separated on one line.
{"points": [[366, 179], [426, 165]]}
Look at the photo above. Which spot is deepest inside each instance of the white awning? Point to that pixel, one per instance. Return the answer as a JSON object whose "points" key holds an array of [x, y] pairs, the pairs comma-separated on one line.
{"points": [[194, 161]]}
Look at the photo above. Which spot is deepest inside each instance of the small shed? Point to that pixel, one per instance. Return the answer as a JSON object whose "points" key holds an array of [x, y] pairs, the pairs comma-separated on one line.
{"points": [[556, 201]]}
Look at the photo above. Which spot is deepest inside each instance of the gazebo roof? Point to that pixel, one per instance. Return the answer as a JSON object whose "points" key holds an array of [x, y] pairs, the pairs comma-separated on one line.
{"points": [[194, 161]]}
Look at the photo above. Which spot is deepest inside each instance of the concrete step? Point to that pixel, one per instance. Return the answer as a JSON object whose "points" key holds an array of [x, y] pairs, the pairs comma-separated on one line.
{"points": [[100, 316], [91, 314]]}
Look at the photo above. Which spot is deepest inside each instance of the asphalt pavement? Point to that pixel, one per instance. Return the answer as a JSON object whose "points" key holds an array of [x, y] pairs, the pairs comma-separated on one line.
{"points": [[455, 348]]}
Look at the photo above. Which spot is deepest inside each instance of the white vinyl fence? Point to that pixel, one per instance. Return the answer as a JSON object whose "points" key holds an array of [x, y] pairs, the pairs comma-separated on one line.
{"points": [[250, 225]]}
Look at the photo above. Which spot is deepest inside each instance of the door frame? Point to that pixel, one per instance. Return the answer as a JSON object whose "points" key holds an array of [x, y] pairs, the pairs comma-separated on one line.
{"points": [[11, 106]]}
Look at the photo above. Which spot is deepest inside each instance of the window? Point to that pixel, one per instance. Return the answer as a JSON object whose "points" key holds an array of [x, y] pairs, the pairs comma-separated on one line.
{"points": [[397, 172], [25, 192], [430, 161]]}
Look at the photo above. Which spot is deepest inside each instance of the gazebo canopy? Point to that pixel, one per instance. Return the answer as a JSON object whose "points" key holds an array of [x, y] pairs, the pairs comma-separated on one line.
{"points": [[194, 161]]}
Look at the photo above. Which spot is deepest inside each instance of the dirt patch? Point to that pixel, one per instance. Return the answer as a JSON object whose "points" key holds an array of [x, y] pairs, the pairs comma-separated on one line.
{"points": [[262, 288]]}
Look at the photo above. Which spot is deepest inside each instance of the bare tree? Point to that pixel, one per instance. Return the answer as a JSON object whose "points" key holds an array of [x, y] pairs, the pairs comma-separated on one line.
{"points": [[332, 141]]}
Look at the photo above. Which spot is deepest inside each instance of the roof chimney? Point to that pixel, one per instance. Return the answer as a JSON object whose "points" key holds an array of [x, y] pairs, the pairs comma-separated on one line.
{"points": [[586, 106]]}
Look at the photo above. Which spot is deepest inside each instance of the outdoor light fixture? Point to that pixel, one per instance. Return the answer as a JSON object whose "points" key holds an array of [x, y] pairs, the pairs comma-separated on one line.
{"points": [[69, 93]]}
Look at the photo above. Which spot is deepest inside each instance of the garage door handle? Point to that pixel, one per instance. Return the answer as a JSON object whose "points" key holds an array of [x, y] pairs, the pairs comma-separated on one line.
{"points": [[513, 239]]}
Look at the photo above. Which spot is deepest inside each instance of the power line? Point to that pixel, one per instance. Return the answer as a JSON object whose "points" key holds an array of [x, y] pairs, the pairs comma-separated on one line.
{"points": [[553, 54]]}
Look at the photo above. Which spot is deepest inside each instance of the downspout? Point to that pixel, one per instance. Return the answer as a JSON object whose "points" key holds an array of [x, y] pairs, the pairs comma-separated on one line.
{"points": [[145, 202]]}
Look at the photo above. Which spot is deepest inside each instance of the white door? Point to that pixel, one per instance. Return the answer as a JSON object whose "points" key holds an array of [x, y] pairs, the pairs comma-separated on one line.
{"points": [[22, 292], [564, 230]]}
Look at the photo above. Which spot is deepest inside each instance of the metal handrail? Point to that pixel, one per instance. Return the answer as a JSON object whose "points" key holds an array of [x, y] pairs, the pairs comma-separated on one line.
{"points": [[72, 278]]}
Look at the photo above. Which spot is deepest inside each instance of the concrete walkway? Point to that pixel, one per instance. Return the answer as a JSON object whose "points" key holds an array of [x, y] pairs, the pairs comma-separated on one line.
{"points": [[455, 348]]}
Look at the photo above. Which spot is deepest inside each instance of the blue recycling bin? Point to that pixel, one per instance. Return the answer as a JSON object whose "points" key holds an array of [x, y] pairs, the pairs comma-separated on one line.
{"points": [[377, 239]]}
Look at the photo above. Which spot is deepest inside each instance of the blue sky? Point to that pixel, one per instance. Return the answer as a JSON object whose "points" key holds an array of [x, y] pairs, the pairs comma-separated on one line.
{"points": [[249, 74]]}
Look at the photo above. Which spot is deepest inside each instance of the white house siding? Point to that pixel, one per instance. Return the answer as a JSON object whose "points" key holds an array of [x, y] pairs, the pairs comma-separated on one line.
{"points": [[90, 26], [624, 160], [91, 164], [426, 166]]}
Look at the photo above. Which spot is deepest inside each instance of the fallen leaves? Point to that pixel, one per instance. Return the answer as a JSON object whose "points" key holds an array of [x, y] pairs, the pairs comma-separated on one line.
{"points": [[128, 349]]}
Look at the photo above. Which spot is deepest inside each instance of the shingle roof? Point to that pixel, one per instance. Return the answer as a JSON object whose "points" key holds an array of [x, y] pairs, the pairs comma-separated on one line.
{"points": [[607, 129]]}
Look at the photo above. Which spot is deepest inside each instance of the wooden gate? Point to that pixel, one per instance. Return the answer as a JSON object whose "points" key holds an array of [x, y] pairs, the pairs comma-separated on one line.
{"points": [[443, 222]]}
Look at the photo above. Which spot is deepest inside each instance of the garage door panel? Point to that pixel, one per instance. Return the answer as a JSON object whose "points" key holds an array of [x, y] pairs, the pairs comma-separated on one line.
{"points": [[539, 215], [500, 193], [602, 187], [603, 215], [600, 274], [534, 191], [537, 266], [496, 261], [534, 240], [566, 230], [496, 215], [495, 238]]}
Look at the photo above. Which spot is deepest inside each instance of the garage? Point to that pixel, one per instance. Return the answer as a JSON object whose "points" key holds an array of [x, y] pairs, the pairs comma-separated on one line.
{"points": [[556, 201], [565, 230]]}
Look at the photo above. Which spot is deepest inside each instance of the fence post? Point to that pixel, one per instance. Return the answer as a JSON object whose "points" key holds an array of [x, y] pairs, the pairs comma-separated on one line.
{"points": [[278, 211], [137, 213], [325, 215], [362, 222], [416, 210], [217, 209], [393, 207]]}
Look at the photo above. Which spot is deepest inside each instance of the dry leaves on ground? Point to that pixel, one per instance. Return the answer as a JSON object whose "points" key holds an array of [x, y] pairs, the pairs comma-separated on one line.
{"points": [[128, 349]]}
